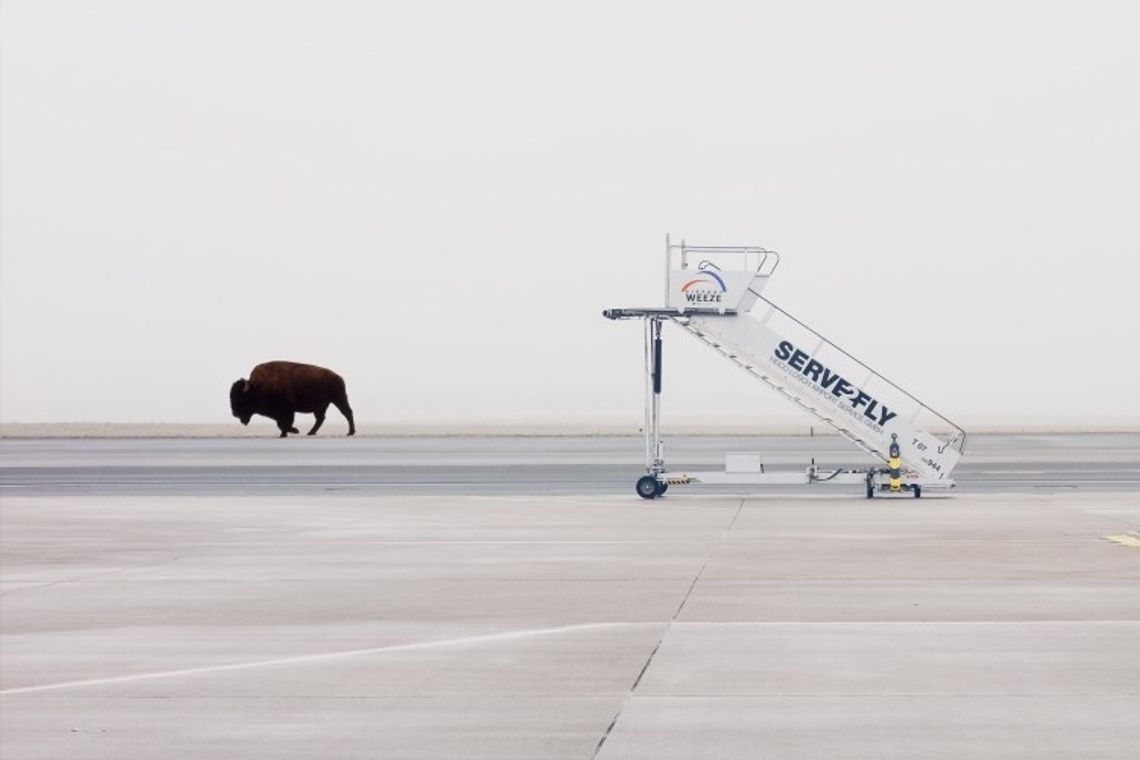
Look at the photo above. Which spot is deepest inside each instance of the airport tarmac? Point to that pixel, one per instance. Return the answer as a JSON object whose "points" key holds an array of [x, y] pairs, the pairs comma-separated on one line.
{"points": [[509, 465], [513, 598]]}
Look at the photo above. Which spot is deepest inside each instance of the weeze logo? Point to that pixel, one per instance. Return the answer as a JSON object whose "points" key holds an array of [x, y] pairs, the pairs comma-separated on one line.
{"points": [[706, 287]]}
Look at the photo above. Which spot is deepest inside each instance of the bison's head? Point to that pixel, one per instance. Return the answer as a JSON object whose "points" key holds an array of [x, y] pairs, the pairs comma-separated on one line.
{"points": [[241, 401]]}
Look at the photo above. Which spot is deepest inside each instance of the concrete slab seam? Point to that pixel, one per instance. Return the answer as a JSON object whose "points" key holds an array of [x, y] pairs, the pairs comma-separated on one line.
{"points": [[665, 632]]}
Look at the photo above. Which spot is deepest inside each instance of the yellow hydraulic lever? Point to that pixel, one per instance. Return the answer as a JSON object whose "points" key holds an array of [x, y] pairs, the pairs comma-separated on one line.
{"points": [[894, 462]]}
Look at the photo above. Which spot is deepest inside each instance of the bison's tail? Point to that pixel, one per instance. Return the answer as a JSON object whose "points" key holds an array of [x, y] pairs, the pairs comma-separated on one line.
{"points": [[340, 401]]}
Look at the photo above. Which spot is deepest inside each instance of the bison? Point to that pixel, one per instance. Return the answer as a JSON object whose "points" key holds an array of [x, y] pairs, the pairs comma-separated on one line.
{"points": [[278, 390]]}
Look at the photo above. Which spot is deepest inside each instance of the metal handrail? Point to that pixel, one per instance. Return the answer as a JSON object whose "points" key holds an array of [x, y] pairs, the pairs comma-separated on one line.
{"points": [[685, 249], [744, 250]]}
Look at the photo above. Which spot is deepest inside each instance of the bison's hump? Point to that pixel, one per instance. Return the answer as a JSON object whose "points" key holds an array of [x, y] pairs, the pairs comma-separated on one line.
{"points": [[285, 375]]}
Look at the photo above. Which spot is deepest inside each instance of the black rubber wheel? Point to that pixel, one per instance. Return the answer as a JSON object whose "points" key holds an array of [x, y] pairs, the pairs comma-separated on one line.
{"points": [[647, 487], [918, 492], [870, 490], [662, 487]]}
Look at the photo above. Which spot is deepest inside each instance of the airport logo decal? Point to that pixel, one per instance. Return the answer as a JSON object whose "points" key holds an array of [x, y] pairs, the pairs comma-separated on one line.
{"points": [[823, 380], [706, 287]]}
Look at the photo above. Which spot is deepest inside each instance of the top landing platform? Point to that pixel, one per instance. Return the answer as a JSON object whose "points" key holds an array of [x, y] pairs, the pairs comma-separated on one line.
{"points": [[641, 313], [715, 279]]}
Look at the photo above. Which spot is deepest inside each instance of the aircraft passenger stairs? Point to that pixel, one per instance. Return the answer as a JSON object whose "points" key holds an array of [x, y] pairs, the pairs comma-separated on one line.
{"points": [[715, 294]]}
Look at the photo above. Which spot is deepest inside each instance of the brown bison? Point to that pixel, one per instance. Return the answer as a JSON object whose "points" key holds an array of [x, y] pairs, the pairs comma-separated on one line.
{"points": [[278, 390]]}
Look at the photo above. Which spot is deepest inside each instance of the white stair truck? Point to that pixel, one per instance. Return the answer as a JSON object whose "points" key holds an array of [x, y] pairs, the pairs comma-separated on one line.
{"points": [[715, 293]]}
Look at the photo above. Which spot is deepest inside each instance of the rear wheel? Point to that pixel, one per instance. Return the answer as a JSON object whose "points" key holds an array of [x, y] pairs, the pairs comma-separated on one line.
{"points": [[870, 489], [647, 487], [918, 492], [662, 487]]}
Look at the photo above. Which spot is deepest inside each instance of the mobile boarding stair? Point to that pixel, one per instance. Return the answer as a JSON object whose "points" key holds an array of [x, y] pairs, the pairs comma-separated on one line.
{"points": [[715, 294]]}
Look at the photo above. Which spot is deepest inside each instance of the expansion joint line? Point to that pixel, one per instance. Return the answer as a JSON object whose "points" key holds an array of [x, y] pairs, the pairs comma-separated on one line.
{"points": [[665, 632]]}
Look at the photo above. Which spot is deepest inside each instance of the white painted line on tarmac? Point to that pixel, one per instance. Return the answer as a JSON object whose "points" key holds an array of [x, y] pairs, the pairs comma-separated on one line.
{"points": [[491, 637]]}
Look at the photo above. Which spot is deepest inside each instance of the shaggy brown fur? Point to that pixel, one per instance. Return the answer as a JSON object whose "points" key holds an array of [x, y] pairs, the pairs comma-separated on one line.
{"points": [[279, 390]]}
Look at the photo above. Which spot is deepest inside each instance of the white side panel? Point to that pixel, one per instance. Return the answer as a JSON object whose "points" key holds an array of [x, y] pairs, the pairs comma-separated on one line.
{"points": [[713, 288], [835, 388]]}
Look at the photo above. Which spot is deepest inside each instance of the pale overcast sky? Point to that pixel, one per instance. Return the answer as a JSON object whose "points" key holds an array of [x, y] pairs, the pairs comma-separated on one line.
{"points": [[438, 199]]}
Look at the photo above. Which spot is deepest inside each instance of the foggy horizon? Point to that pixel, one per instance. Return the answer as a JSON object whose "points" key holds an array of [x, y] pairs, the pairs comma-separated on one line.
{"points": [[438, 202]]}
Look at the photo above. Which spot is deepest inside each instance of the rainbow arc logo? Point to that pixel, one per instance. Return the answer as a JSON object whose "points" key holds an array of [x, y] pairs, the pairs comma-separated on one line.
{"points": [[708, 278]]}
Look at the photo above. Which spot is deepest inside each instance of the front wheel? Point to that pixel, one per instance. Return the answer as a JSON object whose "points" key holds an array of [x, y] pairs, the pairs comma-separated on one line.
{"points": [[647, 487]]}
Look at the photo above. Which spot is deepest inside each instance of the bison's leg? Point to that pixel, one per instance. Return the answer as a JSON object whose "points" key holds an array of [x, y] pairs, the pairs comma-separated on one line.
{"points": [[320, 415], [342, 405], [285, 424]]}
